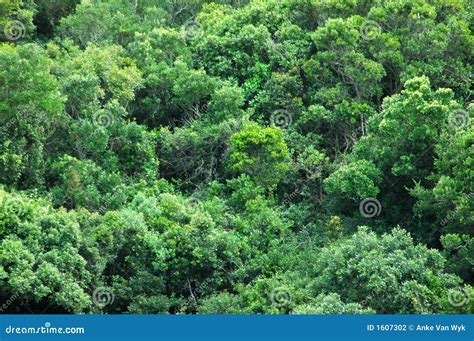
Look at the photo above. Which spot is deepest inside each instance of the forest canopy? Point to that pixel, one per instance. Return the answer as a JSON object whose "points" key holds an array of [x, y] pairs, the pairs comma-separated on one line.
{"points": [[236, 157]]}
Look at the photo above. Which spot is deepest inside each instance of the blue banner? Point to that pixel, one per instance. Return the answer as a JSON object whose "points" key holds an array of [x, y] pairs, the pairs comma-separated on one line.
{"points": [[237, 327]]}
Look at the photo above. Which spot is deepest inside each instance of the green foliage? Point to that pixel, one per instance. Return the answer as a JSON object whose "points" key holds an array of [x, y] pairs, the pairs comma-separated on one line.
{"points": [[40, 258], [332, 304], [16, 19], [201, 156], [29, 103], [261, 153], [84, 184], [404, 132], [450, 198], [388, 273], [195, 153], [87, 24], [459, 252], [50, 12], [223, 303], [96, 76], [357, 180]]}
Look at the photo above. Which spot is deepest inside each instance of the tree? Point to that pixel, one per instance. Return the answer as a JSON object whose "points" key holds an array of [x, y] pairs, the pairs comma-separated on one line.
{"points": [[332, 304], [400, 144], [387, 273], [50, 13], [40, 259], [260, 153], [29, 104], [227, 156]]}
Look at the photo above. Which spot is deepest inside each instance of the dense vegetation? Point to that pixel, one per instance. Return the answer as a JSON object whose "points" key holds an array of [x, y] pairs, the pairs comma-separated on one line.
{"points": [[264, 156]]}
